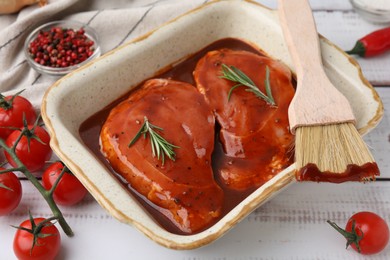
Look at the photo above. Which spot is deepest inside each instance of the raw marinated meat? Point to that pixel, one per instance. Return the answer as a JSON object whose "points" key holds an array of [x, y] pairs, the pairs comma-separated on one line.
{"points": [[254, 134], [183, 190]]}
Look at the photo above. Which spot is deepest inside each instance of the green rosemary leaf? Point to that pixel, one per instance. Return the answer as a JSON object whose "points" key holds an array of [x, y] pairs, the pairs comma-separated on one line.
{"points": [[237, 76], [243, 77], [231, 90], [154, 145], [155, 127], [139, 133], [268, 84], [160, 146]]}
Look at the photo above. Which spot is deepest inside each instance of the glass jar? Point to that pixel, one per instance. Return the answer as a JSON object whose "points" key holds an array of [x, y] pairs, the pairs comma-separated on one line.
{"points": [[376, 11]]}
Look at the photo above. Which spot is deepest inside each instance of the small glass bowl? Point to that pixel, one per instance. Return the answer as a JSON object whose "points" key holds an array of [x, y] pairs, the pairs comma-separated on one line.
{"points": [[60, 71], [372, 11]]}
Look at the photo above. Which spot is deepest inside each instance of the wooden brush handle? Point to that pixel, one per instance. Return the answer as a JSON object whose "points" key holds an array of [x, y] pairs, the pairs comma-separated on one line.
{"points": [[300, 34], [316, 101]]}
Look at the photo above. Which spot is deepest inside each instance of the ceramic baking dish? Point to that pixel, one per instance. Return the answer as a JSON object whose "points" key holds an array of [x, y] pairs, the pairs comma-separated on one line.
{"points": [[82, 93]]}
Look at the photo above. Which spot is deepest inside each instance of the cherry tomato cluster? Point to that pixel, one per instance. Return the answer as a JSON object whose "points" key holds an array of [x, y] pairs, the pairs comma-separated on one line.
{"points": [[15, 111], [19, 128]]}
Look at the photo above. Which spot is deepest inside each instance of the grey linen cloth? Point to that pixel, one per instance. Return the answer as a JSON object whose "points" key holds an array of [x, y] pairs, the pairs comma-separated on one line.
{"points": [[116, 22]]}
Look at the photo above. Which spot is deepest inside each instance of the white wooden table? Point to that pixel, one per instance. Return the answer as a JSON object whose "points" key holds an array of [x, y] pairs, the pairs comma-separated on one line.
{"points": [[290, 226]]}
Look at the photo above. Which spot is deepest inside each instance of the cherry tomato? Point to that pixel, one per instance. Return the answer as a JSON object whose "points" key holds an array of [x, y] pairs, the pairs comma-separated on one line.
{"points": [[366, 232], [46, 247], [69, 190], [12, 109], [10, 192], [33, 156]]}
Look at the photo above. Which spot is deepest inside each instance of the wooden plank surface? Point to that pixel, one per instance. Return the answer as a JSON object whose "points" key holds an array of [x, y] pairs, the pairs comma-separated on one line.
{"points": [[379, 138], [290, 226]]}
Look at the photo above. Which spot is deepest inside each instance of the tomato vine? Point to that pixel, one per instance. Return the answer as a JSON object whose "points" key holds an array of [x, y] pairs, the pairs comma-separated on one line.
{"points": [[46, 194]]}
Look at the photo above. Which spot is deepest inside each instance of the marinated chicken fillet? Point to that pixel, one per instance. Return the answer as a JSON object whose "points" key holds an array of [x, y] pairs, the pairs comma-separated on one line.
{"points": [[183, 190], [255, 135]]}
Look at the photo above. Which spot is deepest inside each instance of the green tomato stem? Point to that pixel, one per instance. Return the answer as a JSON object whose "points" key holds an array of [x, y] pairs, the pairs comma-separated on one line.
{"points": [[53, 188], [352, 237]]}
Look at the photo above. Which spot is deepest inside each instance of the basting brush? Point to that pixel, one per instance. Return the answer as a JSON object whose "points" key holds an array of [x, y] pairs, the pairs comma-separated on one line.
{"points": [[328, 146]]}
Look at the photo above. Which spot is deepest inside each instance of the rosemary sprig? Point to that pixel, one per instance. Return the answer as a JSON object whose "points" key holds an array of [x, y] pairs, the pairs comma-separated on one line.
{"points": [[236, 75], [160, 146]]}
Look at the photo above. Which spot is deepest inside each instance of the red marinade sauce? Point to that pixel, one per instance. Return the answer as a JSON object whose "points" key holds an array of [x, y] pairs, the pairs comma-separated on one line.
{"points": [[365, 172]]}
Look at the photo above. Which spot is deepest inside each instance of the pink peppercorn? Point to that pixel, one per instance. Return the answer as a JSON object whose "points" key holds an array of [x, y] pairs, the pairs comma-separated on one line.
{"points": [[61, 47]]}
